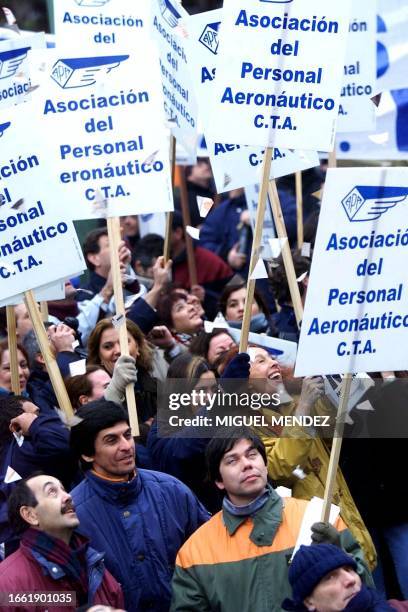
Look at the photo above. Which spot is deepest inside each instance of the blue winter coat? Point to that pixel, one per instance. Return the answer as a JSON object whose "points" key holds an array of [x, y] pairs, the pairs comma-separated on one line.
{"points": [[140, 525]]}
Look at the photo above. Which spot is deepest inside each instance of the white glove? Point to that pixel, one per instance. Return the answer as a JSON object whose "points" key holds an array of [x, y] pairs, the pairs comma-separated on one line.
{"points": [[124, 373]]}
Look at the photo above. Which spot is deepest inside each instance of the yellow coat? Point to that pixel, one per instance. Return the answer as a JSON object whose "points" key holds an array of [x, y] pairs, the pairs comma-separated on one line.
{"points": [[295, 447]]}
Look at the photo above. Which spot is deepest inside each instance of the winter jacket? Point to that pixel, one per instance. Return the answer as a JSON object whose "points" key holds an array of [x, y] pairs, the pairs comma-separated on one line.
{"points": [[296, 447], [182, 456], [140, 525], [241, 563], [29, 571]]}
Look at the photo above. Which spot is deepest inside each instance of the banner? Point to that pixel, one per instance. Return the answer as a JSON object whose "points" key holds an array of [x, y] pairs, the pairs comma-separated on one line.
{"points": [[356, 111], [279, 73], [104, 129], [179, 101], [15, 81], [356, 310], [94, 23], [34, 229]]}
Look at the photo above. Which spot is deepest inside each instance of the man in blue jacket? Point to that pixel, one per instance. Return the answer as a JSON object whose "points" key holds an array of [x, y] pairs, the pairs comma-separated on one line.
{"points": [[139, 518]]}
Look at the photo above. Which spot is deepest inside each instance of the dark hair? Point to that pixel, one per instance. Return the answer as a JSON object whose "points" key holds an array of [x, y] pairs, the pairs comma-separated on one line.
{"points": [[21, 496], [165, 305], [177, 220], [200, 344], [30, 344], [148, 247], [279, 281], [228, 289], [80, 385], [95, 416], [217, 448], [91, 244], [11, 406]]}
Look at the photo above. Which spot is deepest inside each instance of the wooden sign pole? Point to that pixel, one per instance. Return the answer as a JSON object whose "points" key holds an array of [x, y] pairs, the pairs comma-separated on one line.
{"points": [[169, 215], [299, 209], [185, 211], [336, 447], [341, 414], [12, 345], [256, 243], [286, 252], [114, 240], [50, 362]]}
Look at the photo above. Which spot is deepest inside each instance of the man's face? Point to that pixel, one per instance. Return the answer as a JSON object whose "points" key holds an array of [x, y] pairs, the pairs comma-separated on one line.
{"points": [[101, 260], [55, 512], [114, 451], [334, 591], [99, 381], [243, 473]]}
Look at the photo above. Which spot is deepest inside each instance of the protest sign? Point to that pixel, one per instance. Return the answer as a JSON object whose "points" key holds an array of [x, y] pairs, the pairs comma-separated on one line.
{"points": [[233, 166], [50, 291], [282, 350], [356, 111], [104, 129], [152, 224], [392, 45], [273, 79], [34, 227], [179, 100], [15, 82], [95, 23], [268, 230], [355, 313], [390, 138]]}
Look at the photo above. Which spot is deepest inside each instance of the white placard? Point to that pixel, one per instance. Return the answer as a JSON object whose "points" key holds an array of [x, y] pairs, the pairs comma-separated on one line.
{"points": [[179, 100], [268, 228], [15, 82], [356, 111], [233, 166], [279, 73], [51, 291], [97, 23], [34, 229], [152, 224], [355, 317], [283, 350], [103, 124], [392, 44]]}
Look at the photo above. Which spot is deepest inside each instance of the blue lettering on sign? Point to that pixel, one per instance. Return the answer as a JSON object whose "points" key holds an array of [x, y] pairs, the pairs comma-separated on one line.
{"points": [[10, 61], [367, 203], [84, 71], [277, 1]]}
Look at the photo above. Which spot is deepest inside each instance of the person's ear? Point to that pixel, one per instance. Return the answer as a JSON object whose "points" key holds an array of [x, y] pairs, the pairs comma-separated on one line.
{"points": [[83, 399], [308, 603], [139, 268], [87, 458], [29, 515], [220, 485], [93, 258]]}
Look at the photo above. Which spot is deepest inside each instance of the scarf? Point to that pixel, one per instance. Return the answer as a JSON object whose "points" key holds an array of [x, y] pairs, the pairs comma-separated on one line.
{"points": [[250, 508], [71, 559]]}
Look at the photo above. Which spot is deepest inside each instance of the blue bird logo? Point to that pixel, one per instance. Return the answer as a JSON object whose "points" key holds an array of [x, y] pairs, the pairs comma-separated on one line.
{"points": [[367, 203], [11, 60], [84, 71]]}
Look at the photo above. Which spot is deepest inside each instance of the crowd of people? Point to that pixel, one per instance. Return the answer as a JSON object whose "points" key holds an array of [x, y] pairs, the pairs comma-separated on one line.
{"points": [[93, 518]]}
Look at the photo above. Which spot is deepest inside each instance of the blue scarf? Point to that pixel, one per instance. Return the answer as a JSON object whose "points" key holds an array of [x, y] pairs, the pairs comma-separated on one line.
{"points": [[250, 508]]}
